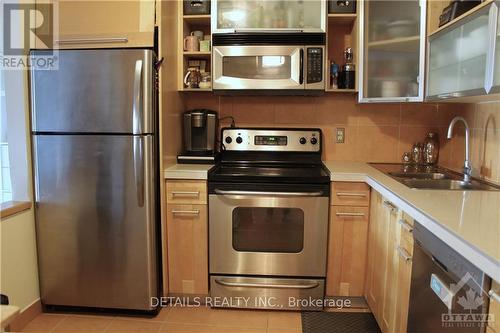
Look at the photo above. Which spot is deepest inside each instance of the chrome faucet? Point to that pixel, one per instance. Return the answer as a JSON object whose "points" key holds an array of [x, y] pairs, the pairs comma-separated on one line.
{"points": [[467, 165]]}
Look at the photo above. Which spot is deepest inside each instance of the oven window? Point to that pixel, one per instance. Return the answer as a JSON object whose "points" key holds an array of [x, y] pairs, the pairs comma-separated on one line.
{"points": [[268, 229], [257, 67]]}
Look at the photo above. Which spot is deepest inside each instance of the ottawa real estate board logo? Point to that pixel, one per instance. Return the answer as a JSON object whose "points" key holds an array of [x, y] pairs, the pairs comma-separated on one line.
{"points": [[466, 303], [27, 26]]}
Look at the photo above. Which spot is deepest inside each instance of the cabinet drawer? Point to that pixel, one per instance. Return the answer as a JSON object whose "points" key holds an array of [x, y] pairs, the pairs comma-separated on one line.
{"points": [[405, 225], [186, 192], [350, 194], [187, 249]]}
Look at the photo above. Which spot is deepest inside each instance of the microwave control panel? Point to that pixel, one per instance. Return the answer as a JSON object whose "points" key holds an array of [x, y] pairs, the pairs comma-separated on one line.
{"points": [[314, 64]]}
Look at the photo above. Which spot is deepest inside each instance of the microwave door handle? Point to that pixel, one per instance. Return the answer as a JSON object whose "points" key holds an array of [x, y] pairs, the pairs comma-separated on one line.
{"points": [[301, 69], [279, 194]]}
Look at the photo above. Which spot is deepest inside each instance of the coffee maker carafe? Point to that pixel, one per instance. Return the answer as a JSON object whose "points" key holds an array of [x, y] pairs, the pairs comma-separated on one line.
{"points": [[200, 128]]}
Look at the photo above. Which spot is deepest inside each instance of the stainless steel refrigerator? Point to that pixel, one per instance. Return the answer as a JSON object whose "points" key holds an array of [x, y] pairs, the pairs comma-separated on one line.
{"points": [[95, 158]]}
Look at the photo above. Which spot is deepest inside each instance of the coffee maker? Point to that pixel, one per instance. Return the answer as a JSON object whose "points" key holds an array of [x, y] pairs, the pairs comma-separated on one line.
{"points": [[199, 136]]}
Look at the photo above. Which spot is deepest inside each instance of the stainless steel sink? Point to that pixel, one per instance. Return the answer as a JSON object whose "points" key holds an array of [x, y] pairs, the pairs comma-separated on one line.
{"points": [[432, 178], [448, 184], [420, 175]]}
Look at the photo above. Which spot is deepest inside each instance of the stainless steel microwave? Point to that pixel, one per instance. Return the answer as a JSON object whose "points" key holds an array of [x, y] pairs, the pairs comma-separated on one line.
{"points": [[279, 63]]}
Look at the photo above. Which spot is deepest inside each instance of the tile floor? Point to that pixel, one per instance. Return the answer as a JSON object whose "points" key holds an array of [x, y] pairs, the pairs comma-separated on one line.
{"points": [[173, 320]]}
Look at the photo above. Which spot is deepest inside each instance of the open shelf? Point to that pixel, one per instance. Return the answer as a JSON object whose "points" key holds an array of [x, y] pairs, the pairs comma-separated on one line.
{"points": [[343, 18], [196, 89], [349, 91], [401, 44], [197, 54], [197, 19]]}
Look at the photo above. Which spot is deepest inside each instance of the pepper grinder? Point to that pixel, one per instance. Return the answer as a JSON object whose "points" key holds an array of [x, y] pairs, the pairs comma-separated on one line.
{"points": [[348, 70]]}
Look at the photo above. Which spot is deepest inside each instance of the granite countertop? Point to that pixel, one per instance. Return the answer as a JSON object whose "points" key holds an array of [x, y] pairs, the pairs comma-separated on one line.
{"points": [[187, 171]]}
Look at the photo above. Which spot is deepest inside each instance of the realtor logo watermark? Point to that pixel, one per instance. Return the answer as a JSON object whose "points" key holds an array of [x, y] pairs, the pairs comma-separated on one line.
{"points": [[468, 312], [26, 26]]}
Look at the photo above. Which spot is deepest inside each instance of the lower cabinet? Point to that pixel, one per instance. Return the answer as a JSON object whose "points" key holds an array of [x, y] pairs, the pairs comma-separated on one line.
{"points": [[187, 238], [494, 309], [347, 239], [388, 273]]}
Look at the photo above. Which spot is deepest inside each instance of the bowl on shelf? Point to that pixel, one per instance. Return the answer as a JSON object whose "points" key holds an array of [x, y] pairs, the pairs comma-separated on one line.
{"points": [[402, 28]]}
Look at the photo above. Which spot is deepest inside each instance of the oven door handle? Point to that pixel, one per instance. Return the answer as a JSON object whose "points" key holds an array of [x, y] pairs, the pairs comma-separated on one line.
{"points": [[268, 286], [273, 194]]}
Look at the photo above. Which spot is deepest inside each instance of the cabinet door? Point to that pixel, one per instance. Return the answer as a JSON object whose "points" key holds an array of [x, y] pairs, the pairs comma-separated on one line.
{"points": [[392, 51], [389, 274], [347, 244], [496, 57], [187, 249], [404, 252], [461, 57], [370, 290], [262, 15], [494, 309], [104, 24]]}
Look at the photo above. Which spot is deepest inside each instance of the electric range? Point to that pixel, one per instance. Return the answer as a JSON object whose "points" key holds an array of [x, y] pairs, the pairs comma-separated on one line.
{"points": [[268, 218]]}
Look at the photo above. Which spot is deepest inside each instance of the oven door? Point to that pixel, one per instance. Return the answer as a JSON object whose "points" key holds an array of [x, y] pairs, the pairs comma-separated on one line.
{"points": [[268, 233], [274, 67]]}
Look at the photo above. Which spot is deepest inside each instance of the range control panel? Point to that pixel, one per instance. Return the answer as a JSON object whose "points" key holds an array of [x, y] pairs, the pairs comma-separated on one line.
{"points": [[263, 139]]}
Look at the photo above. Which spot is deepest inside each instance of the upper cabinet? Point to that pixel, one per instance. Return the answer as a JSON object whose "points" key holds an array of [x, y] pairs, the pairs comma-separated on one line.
{"points": [[392, 51], [105, 24], [462, 56], [265, 15]]}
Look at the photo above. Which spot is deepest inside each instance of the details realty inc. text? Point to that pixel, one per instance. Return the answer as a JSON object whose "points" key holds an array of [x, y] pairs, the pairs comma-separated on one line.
{"points": [[240, 301]]}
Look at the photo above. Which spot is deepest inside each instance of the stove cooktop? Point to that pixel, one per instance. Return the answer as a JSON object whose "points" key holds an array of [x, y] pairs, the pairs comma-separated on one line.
{"points": [[304, 174]]}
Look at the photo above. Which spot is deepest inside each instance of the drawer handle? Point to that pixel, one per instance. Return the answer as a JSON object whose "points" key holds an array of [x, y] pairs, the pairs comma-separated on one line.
{"points": [[266, 285], [405, 225], [186, 193], [403, 253], [351, 194], [350, 214], [186, 212], [494, 295], [391, 206], [93, 40]]}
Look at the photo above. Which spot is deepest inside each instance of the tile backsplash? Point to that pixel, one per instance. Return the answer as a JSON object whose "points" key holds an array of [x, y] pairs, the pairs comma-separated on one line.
{"points": [[373, 132]]}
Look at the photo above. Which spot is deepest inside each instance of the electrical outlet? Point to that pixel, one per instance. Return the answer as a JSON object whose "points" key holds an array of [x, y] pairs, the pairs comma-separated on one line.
{"points": [[340, 137]]}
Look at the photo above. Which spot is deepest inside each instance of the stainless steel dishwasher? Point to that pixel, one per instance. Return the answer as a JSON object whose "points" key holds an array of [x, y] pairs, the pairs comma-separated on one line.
{"points": [[448, 293]]}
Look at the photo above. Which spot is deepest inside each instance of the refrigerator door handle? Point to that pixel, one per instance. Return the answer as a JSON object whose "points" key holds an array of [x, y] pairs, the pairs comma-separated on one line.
{"points": [[139, 169], [136, 104]]}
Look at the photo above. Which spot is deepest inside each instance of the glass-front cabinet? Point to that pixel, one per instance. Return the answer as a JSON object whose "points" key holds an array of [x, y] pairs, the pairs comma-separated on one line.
{"points": [[392, 51], [462, 57], [266, 15]]}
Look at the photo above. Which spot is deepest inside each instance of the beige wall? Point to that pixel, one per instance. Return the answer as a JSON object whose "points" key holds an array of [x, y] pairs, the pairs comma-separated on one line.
{"points": [[374, 132], [18, 269], [484, 120]]}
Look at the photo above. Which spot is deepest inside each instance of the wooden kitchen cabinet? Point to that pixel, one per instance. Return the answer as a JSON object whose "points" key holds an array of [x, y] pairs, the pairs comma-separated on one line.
{"points": [[388, 273], [392, 51], [187, 249], [347, 239], [187, 237], [494, 310], [103, 24]]}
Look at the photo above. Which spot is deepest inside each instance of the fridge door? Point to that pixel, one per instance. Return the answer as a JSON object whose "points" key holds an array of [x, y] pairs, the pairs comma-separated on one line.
{"points": [[94, 91], [96, 220]]}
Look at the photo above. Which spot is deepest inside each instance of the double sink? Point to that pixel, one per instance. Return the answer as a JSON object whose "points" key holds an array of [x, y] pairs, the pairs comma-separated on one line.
{"points": [[432, 178]]}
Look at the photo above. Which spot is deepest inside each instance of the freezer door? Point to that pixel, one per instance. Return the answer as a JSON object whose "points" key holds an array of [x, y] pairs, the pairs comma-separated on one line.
{"points": [[94, 91], [96, 220]]}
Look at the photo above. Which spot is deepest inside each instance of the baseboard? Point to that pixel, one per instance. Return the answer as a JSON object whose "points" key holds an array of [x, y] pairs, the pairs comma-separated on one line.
{"points": [[25, 316], [356, 304]]}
